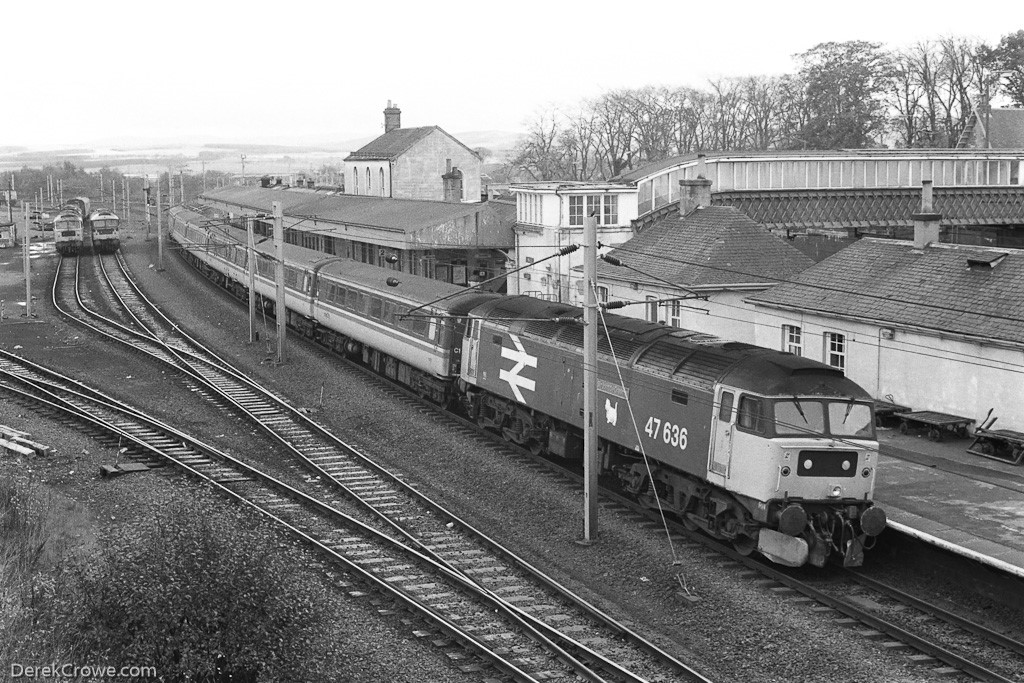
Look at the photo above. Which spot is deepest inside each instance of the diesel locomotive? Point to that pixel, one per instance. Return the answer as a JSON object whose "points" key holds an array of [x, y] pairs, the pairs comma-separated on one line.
{"points": [[767, 450]]}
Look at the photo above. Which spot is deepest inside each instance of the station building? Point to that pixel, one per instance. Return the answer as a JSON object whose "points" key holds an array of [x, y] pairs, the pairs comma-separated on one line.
{"points": [[413, 163], [694, 269], [549, 217], [923, 324], [455, 242]]}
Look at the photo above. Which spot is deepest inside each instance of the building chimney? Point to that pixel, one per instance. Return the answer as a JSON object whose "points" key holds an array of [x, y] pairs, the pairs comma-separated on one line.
{"points": [[392, 118], [926, 221], [696, 192], [452, 181]]}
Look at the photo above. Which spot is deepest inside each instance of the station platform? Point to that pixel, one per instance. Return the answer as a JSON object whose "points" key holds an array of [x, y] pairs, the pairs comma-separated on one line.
{"points": [[945, 496]]}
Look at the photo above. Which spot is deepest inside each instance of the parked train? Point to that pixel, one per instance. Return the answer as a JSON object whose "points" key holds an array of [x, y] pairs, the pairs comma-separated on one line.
{"points": [[69, 226], [77, 223], [765, 449], [104, 226]]}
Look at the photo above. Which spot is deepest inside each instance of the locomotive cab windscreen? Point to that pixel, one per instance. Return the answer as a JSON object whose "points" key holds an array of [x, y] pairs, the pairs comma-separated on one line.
{"points": [[807, 416]]}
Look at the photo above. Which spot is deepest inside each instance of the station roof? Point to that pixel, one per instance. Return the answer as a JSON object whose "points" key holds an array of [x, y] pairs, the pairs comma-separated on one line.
{"points": [[647, 170], [876, 207], [481, 224], [948, 288], [736, 250]]}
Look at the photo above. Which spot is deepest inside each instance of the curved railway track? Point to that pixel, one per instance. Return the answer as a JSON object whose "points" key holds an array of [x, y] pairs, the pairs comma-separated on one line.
{"points": [[974, 651], [471, 615], [395, 505]]}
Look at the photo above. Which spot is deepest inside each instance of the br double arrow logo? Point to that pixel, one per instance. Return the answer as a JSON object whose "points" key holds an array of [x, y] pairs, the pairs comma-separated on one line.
{"points": [[522, 359]]}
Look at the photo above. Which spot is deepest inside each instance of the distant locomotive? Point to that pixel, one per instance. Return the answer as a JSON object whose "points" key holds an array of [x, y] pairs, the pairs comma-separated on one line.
{"points": [[69, 226], [78, 223], [104, 226], [767, 450]]}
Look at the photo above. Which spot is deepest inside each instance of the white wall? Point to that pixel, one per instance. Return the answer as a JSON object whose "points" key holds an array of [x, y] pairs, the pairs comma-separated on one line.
{"points": [[375, 167], [922, 370]]}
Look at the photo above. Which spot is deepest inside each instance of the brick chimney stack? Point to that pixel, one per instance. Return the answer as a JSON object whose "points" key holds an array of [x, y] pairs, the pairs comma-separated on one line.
{"points": [[926, 221], [452, 182], [695, 193], [392, 118]]}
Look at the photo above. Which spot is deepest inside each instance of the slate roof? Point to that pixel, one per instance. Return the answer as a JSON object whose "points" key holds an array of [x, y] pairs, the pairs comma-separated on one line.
{"points": [[876, 207], [395, 143], [890, 283], [1006, 128], [715, 246], [403, 215]]}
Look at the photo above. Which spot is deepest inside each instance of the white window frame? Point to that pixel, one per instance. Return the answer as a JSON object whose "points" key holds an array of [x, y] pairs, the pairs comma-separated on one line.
{"points": [[835, 350], [652, 309], [675, 310], [576, 213], [793, 340]]}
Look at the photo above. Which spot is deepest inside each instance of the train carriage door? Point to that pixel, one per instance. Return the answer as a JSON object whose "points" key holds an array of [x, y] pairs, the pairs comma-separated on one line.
{"points": [[472, 347], [721, 434]]}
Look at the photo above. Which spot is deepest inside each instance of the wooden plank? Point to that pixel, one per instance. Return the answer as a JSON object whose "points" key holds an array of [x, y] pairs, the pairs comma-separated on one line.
{"points": [[12, 447]]}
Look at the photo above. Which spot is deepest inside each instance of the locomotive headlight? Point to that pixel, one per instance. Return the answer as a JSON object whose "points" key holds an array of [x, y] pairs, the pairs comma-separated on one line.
{"points": [[786, 471], [836, 492], [866, 472]]}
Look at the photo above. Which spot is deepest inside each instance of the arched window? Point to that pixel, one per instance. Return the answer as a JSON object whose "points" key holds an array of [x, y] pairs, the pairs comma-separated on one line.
{"points": [[355, 181], [369, 190], [381, 182]]}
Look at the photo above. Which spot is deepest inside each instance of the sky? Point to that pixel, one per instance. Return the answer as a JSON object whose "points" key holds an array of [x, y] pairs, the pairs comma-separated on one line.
{"points": [[107, 72]]}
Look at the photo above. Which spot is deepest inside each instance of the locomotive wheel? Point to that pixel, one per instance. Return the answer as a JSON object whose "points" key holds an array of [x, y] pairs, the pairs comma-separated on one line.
{"points": [[744, 544]]}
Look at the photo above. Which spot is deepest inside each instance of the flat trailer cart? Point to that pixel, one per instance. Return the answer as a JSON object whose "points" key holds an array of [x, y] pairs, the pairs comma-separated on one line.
{"points": [[887, 411], [1004, 445], [937, 424]]}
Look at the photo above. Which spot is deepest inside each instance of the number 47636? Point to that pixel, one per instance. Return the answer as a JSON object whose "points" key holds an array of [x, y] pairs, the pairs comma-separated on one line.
{"points": [[667, 432]]}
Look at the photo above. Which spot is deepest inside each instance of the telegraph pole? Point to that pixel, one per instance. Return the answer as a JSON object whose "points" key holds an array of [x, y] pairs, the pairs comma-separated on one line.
{"points": [[145, 199], [252, 279], [282, 313], [243, 170], [204, 177], [590, 463], [159, 230], [181, 184], [28, 272]]}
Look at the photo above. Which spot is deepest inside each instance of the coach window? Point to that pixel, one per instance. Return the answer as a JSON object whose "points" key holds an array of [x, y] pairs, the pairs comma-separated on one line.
{"points": [[376, 307], [725, 409], [751, 414]]}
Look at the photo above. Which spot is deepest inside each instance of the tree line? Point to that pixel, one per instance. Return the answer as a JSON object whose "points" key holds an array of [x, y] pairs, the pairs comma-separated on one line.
{"points": [[853, 94]]}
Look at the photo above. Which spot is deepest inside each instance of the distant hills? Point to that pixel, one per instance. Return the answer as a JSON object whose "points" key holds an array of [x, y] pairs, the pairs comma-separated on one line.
{"points": [[260, 157]]}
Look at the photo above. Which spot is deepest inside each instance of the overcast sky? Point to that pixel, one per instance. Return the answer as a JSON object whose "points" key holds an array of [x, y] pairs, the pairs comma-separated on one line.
{"points": [[86, 73]]}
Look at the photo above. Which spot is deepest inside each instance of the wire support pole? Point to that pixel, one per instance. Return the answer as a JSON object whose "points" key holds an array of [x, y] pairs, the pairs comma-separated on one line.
{"points": [[282, 311], [251, 258], [590, 437]]}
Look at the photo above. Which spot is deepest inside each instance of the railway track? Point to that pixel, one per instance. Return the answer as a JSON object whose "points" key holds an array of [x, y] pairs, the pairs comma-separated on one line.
{"points": [[394, 505], [467, 613], [941, 655], [931, 637]]}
